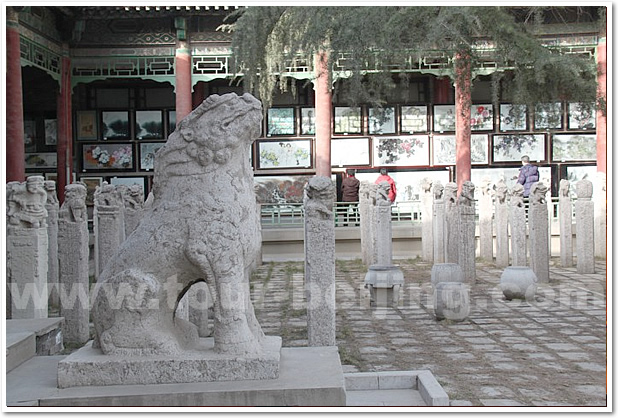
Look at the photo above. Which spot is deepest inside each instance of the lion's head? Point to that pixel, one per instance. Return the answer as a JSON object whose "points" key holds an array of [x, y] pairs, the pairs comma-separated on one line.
{"points": [[220, 128]]}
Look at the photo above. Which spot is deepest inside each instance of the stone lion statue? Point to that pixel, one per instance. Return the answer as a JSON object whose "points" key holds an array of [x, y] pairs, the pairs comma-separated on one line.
{"points": [[537, 193], [202, 225]]}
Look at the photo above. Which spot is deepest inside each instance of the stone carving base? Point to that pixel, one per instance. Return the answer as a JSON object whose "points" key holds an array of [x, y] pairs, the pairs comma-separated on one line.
{"points": [[518, 282], [90, 367], [384, 283]]}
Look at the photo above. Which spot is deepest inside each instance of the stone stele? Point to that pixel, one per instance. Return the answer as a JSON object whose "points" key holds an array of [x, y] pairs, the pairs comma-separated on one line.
{"points": [[202, 224]]}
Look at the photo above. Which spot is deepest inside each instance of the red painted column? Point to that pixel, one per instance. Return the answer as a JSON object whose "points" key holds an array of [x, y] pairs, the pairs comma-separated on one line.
{"points": [[323, 110], [442, 89], [601, 117], [184, 100], [64, 112], [15, 152], [463, 100]]}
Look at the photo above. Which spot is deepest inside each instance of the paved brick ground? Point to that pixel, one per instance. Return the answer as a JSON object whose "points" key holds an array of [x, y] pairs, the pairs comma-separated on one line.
{"points": [[550, 351]]}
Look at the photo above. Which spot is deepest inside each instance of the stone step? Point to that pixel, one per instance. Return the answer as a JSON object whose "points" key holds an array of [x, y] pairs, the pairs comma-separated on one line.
{"points": [[394, 388], [20, 347], [26, 338]]}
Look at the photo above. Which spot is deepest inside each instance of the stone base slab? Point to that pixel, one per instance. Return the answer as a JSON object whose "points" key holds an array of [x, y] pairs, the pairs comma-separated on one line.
{"points": [[308, 376], [90, 367]]}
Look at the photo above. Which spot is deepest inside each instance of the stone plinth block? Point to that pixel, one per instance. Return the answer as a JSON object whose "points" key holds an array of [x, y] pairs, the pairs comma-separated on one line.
{"points": [[27, 271], [384, 283], [90, 367], [446, 272], [308, 376], [451, 301], [518, 282]]}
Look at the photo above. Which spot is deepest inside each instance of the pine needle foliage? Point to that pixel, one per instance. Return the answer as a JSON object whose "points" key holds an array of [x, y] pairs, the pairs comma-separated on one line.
{"points": [[372, 42]]}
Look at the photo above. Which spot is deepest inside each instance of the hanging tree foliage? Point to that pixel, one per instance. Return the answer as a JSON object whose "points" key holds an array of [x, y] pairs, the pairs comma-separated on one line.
{"points": [[372, 42]]}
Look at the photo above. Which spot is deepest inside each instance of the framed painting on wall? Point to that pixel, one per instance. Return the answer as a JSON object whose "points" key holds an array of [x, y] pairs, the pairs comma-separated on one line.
{"points": [[513, 147], [307, 121], [171, 121], [51, 131], [478, 175], [574, 147], [548, 116], [285, 154], [444, 149], [41, 160], [513, 117], [130, 181], [149, 124], [482, 117], [582, 116], [115, 125], [382, 120], [410, 150], [413, 119], [30, 135], [444, 118], [280, 190], [86, 124], [408, 182], [349, 151], [280, 121], [147, 152], [107, 157], [348, 120], [91, 186]]}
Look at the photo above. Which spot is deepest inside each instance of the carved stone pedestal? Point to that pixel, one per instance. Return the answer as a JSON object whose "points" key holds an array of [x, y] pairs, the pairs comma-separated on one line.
{"points": [[90, 367], [451, 301], [384, 283]]}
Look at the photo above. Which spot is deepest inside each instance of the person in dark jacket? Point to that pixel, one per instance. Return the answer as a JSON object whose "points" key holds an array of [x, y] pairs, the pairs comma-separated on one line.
{"points": [[528, 174], [349, 189]]}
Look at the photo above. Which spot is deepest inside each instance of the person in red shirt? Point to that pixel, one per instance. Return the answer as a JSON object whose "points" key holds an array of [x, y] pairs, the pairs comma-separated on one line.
{"points": [[392, 194]]}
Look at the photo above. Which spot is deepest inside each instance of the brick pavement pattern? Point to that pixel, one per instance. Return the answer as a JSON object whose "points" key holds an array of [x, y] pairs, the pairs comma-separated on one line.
{"points": [[550, 351]]}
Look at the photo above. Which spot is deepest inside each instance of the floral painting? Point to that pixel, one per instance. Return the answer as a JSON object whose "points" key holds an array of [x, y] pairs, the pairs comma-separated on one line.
{"points": [[413, 119], [285, 154], [444, 118], [548, 116], [513, 117], [512, 147], [307, 121], [147, 152], [280, 189], [115, 125], [348, 120], [482, 117], [574, 147], [349, 151], [281, 121], [444, 149], [382, 120], [148, 124], [107, 156], [582, 116], [410, 150]]}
